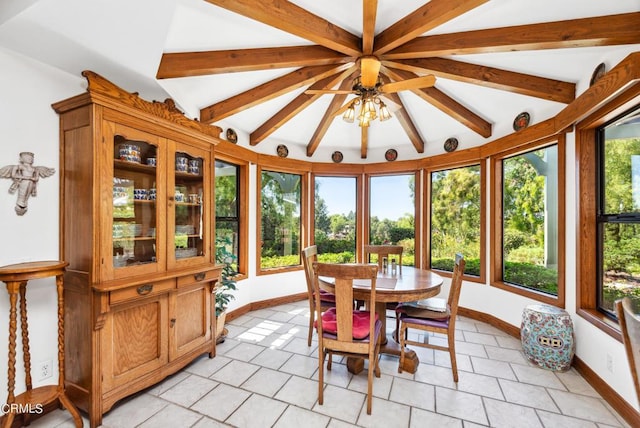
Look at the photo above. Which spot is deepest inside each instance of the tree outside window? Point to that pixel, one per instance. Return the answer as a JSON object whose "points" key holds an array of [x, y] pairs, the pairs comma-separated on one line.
{"points": [[227, 179], [455, 218], [280, 204], [618, 215], [530, 251]]}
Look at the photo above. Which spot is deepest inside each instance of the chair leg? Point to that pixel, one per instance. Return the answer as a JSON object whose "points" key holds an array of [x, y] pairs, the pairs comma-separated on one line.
{"points": [[321, 375], [452, 356], [312, 317], [370, 384], [401, 334], [330, 360]]}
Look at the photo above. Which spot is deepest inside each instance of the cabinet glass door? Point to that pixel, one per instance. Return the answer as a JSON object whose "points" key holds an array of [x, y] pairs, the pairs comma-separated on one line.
{"points": [[134, 203], [190, 226]]}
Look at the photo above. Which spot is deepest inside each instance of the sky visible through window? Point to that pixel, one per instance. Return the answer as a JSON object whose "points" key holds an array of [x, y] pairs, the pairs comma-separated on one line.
{"points": [[392, 199]]}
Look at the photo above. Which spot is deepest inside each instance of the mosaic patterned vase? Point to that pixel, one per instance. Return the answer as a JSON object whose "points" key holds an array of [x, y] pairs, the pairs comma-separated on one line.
{"points": [[547, 337]]}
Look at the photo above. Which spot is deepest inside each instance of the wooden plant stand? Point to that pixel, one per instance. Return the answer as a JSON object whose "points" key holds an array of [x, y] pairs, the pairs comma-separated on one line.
{"points": [[16, 277]]}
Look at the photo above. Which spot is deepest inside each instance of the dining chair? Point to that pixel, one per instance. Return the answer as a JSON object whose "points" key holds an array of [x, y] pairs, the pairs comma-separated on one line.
{"points": [[344, 330], [430, 320], [629, 322], [383, 251], [327, 300]]}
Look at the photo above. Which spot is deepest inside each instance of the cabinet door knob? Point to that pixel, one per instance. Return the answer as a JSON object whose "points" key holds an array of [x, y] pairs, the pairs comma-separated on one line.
{"points": [[145, 289], [199, 276], [172, 323]]}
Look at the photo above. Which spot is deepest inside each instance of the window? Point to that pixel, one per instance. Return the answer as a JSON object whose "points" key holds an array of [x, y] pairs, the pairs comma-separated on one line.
{"points": [[528, 219], [228, 197], [618, 213], [455, 218], [392, 213], [335, 224], [280, 219]]}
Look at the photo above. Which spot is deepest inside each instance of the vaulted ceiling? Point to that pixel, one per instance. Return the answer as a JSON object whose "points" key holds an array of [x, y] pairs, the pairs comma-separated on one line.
{"points": [[248, 64]]}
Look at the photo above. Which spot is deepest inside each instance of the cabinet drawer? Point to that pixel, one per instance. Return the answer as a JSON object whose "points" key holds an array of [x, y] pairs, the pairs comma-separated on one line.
{"points": [[142, 290], [206, 276]]}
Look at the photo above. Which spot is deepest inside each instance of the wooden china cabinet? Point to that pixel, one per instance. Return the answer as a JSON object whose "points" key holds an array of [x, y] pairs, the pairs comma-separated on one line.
{"points": [[136, 209]]}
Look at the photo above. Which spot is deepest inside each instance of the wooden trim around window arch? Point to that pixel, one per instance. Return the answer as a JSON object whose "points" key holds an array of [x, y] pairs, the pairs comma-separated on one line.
{"points": [[495, 271]]}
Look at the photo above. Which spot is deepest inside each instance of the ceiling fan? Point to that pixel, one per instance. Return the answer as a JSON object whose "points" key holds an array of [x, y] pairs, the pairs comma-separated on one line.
{"points": [[369, 87], [370, 81]]}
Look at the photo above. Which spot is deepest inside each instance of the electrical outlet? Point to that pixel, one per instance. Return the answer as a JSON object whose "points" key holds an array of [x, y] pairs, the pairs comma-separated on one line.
{"points": [[46, 371], [609, 363]]}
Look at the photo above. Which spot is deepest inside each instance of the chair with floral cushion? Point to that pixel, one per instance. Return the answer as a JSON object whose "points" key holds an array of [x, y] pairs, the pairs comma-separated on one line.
{"points": [[327, 300], [432, 316], [629, 321], [344, 330]]}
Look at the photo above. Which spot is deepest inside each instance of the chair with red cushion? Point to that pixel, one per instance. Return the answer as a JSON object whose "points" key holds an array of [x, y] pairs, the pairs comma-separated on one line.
{"points": [[343, 330], [327, 300], [410, 315]]}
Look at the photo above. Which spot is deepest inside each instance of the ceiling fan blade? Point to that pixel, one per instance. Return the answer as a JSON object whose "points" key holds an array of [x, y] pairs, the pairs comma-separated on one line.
{"points": [[329, 91], [369, 69], [403, 85]]}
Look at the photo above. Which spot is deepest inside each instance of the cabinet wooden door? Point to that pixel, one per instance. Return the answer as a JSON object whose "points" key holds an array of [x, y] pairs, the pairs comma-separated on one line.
{"points": [[132, 189], [189, 197], [134, 340], [190, 313]]}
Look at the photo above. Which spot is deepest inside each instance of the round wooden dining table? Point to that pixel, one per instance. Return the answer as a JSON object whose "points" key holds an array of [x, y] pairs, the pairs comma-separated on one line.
{"points": [[404, 285]]}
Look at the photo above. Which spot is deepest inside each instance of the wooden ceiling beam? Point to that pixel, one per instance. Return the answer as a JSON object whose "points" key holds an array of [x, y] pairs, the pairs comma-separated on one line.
{"points": [[185, 64], [298, 104], [576, 33], [519, 83], [268, 91], [295, 20], [329, 115], [369, 12], [421, 20], [364, 141], [402, 115], [446, 104]]}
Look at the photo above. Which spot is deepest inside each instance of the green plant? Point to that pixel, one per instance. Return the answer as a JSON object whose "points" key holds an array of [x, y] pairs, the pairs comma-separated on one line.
{"points": [[227, 282]]}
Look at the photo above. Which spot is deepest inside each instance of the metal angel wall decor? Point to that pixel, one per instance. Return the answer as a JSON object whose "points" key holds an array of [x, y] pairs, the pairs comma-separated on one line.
{"points": [[25, 178]]}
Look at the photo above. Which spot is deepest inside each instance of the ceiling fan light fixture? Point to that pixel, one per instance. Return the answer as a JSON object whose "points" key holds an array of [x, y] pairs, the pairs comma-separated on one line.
{"points": [[349, 114], [385, 114]]}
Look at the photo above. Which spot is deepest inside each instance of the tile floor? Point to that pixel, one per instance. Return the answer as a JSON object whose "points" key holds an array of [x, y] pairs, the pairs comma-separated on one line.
{"points": [[265, 375]]}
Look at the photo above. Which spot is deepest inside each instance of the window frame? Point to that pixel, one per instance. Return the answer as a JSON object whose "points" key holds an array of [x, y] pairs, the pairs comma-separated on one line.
{"points": [[358, 209], [366, 218], [483, 216], [304, 219], [243, 211], [586, 196], [496, 251]]}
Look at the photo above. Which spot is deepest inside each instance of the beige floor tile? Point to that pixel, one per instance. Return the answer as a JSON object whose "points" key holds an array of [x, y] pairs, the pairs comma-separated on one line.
{"points": [[257, 411], [189, 390], [508, 415], [266, 382], [460, 405]]}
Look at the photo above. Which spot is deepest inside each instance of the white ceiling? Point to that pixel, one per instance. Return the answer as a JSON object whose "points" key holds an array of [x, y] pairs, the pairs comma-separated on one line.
{"points": [[123, 40]]}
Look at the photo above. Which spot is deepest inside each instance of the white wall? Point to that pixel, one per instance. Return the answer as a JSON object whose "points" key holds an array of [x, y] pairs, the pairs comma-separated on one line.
{"points": [[28, 123]]}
